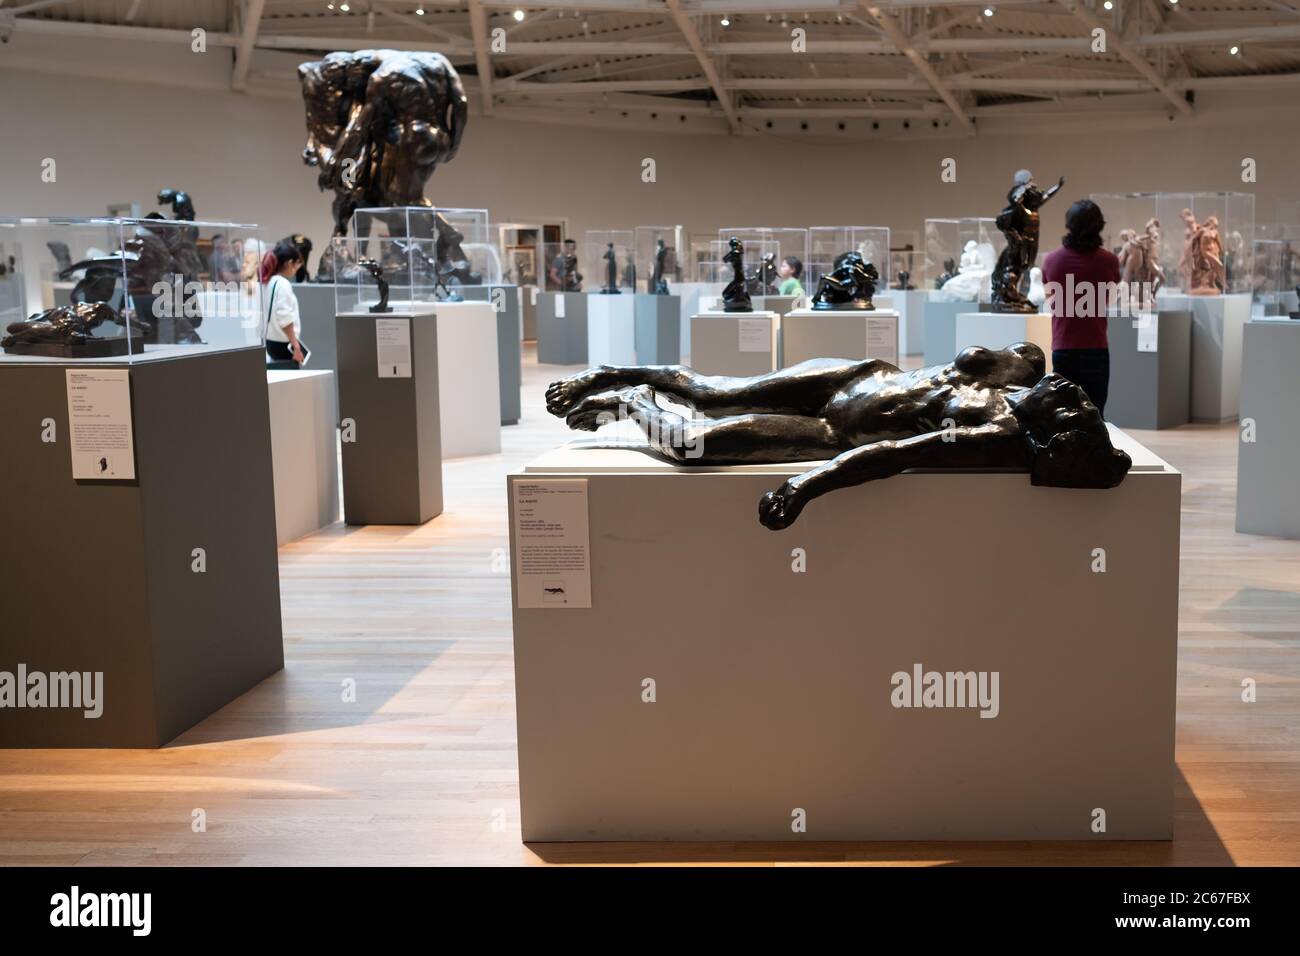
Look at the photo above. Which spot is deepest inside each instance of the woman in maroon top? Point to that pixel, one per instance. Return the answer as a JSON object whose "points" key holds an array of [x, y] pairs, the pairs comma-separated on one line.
{"points": [[1080, 278]]}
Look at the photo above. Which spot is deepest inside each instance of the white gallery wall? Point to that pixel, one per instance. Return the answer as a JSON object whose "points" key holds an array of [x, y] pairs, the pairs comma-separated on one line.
{"points": [[136, 117]]}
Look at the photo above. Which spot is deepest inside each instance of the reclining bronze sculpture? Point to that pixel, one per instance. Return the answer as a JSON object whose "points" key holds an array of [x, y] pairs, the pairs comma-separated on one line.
{"points": [[864, 420]]}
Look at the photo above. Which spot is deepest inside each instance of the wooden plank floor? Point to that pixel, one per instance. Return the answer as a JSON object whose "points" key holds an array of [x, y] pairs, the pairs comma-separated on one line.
{"points": [[421, 768]]}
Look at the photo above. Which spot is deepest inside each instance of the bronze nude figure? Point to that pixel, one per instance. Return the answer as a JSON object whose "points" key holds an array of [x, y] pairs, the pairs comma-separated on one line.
{"points": [[68, 331], [849, 285], [376, 271], [735, 295], [1018, 223], [864, 420]]}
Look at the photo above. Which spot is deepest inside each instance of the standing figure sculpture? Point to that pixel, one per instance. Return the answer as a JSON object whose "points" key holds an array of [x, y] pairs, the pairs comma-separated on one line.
{"points": [[611, 271], [735, 295], [1019, 224], [376, 272], [849, 285], [1139, 263], [763, 279], [1202, 260], [571, 278], [865, 420], [378, 123], [658, 285]]}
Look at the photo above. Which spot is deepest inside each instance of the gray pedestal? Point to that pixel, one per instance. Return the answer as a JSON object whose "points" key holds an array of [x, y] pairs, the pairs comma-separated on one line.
{"points": [[911, 319], [1268, 468], [528, 311], [305, 451], [562, 329], [658, 329], [99, 576], [1150, 389], [392, 469], [941, 329], [1217, 323], [774, 688]]}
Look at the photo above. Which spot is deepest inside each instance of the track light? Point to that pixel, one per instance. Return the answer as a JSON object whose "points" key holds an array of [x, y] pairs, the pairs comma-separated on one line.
{"points": [[519, 16], [1108, 5], [344, 7], [725, 22], [988, 11], [419, 11], [1234, 50]]}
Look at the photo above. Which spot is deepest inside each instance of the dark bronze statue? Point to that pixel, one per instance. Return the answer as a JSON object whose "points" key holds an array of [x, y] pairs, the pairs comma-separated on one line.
{"points": [[763, 279], [658, 285], [376, 272], [949, 270], [735, 295], [611, 271], [864, 420], [61, 253], [452, 262], [378, 123], [180, 201], [68, 331], [905, 281], [1018, 223], [850, 285]]}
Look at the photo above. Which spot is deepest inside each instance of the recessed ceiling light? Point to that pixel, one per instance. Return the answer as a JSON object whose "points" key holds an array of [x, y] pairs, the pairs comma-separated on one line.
{"points": [[419, 11], [519, 16], [988, 11], [344, 7], [1108, 5], [725, 22], [1234, 50]]}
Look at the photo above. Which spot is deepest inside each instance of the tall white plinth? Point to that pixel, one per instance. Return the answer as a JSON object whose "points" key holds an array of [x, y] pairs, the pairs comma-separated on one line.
{"points": [[1268, 449], [831, 333], [611, 329], [468, 379], [735, 343], [304, 451], [910, 304], [722, 686], [1217, 324], [690, 295]]}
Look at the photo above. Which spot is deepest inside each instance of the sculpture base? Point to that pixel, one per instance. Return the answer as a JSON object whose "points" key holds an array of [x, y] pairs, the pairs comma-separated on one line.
{"points": [[735, 343], [93, 348], [843, 307], [737, 308], [841, 333]]}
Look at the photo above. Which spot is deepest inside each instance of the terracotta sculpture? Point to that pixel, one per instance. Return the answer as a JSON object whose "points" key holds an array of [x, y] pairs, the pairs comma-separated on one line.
{"points": [[850, 285], [1019, 224], [1139, 262], [735, 295], [1202, 260], [864, 420], [68, 331]]}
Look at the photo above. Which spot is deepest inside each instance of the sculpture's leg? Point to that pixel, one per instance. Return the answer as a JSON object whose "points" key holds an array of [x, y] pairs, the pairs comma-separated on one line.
{"points": [[971, 446], [802, 389], [734, 440]]}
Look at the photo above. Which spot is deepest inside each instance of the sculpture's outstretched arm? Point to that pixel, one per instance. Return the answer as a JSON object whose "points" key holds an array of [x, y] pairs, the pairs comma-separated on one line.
{"points": [[993, 445]]}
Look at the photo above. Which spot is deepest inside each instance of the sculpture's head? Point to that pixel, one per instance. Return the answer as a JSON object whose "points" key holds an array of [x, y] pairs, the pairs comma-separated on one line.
{"points": [[1069, 444]]}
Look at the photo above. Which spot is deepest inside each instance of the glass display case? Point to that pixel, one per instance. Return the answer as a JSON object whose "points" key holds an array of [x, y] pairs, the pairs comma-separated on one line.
{"points": [[564, 266], [124, 288], [963, 252], [790, 241], [523, 261], [422, 253], [1275, 273], [759, 263], [827, 243], [904, 259], [609, 260], [659, 265]]}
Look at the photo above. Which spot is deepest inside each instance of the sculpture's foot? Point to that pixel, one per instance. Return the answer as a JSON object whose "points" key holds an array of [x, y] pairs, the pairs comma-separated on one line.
{"points": [[563, 395], [604, 407], [779, 509]]}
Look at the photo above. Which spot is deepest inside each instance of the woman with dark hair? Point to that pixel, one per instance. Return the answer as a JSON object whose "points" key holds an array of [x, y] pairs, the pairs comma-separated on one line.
{"points": [[1079, 277], [283, 324], [791, 273]]}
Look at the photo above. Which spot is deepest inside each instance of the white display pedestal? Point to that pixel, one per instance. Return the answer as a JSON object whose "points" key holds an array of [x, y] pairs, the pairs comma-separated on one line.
{"points": [[992, 330], [611, 329], [690, 295], [771, 658], [304, 452], [735, 343], [833, 333], [1217, 324], [911, 320], [1268, 467], [468, 379]]}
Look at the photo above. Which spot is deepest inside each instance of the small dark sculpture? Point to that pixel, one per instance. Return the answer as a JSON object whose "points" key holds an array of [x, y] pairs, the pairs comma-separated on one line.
{"points": [[658, 285], [865, 420], [763, 279], [949, 270], [611, 271], [376, 272], [1018, 223], [850, 285], [62, 257], [68, 331], [303, 245], [905, 281], [180, 201], [451, 258], [378, 123], [735, 295]]}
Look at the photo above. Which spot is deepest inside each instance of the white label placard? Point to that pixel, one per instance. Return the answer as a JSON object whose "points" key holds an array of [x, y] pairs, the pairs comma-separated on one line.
{"points": [[559, 305], [552, 546], [532, 295], [755, 335], [99, 424], [393, 347], [882, 339], [1148, 329]]}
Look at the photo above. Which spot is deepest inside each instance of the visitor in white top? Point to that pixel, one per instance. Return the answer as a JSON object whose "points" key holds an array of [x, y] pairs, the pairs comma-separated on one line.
{"points": [[283, 324]]}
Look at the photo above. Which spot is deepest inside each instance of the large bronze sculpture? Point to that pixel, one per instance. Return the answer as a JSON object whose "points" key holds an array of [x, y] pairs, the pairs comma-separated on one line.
{"points": [[849, 285], [864, 419], [378, 123], [69, 331], [1019, 225], [735, 294]]}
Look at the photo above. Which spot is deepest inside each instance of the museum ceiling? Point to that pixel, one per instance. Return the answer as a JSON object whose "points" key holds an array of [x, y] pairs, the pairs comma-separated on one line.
{"points": [[746, 65]]}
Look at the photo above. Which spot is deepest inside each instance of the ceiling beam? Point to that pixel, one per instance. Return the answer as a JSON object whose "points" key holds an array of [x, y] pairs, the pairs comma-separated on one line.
{"points": [[251, 21], [687, 26], [417, 23], [478, 26], [895, 34], [1114, 42]]}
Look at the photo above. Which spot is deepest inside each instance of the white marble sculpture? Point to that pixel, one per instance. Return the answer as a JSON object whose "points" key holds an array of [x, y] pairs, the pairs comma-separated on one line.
{"points": [[974, 275]]}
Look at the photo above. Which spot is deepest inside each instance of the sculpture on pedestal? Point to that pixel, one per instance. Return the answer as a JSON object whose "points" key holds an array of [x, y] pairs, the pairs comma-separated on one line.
{"points": [[658, 285], [68, 331], [864, 419], [975, 269], [1202, 260], [611, 271], [763, 279], [376, 272], [949, 270], [1019, 224], [735, 295], [905, 281], [850, 285], [1139, 263]]}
